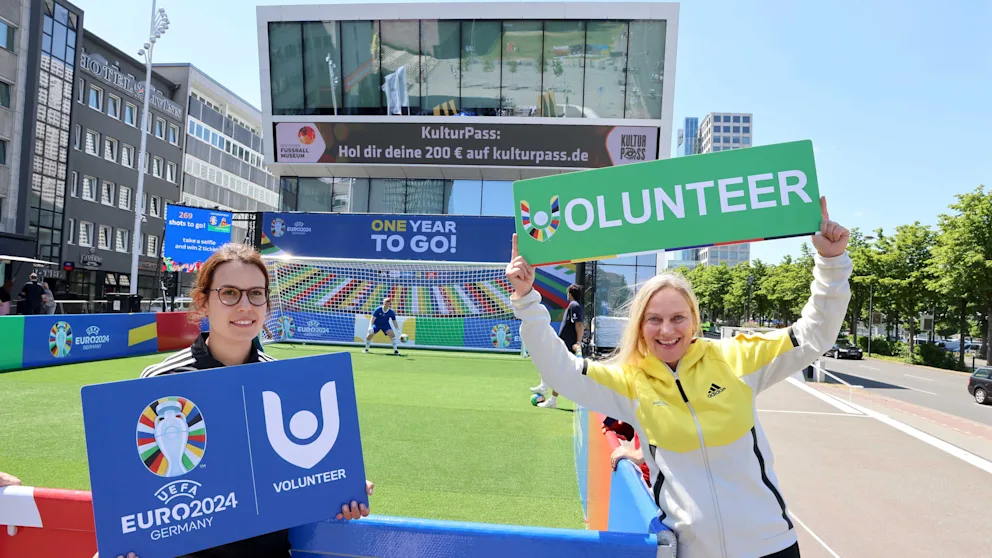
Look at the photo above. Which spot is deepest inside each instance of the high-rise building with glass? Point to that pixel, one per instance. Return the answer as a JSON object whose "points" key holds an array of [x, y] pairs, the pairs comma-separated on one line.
{"points": [[467, 94]]}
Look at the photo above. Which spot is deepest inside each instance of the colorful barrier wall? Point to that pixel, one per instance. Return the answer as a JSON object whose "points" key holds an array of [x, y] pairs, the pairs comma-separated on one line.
{"points": [[615, 501], [47, 522], [49, 340]]}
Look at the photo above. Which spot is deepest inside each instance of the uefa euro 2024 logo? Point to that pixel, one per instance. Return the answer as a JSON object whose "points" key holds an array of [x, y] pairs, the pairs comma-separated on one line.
{"points": [[541, 226], [171, 436], [277, 227], [60, 339]]}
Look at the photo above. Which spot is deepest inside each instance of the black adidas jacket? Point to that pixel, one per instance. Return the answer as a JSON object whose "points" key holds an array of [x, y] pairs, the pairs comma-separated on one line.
{"points": [[198, 357]]}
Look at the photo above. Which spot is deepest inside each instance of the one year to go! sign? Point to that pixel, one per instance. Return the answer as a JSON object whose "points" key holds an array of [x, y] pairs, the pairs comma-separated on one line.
{"points": [[759, 193]]}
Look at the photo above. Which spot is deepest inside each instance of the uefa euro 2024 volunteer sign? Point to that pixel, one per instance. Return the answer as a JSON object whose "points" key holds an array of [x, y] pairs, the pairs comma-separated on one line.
{"points": [[189, 461], [759, 193]]}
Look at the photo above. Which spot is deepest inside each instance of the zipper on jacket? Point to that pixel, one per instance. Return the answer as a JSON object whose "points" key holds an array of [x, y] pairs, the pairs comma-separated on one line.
{"points": [[706, 461]]}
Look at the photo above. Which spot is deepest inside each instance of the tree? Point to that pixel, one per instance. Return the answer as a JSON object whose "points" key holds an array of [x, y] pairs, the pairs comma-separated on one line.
{"points": [[962, 259], [905, 258], [863, 277], [711, 283]]}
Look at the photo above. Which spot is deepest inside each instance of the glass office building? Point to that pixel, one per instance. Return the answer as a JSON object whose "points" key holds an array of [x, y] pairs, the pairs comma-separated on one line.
{"points": [[560, 69]]}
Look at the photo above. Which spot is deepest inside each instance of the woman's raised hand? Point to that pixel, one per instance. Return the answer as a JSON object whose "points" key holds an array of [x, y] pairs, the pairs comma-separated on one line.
{"points": [[519, 272], [832, 239]]}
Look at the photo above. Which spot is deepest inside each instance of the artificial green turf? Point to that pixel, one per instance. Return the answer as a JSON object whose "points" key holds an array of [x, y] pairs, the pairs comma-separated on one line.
{"points": [[446, 435]]}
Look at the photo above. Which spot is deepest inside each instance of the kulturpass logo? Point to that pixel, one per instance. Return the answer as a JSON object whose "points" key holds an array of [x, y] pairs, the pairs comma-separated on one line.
{"points": [[171, 436], [60, 339], [542, 226], [277, 227]]}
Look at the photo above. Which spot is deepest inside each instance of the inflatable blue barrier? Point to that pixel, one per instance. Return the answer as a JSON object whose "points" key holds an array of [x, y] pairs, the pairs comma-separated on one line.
{"points": [[407, 537]]}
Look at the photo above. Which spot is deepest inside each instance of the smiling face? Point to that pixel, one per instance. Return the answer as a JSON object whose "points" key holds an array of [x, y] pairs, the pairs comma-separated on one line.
{"points": [[243, 321], [668, 325]]}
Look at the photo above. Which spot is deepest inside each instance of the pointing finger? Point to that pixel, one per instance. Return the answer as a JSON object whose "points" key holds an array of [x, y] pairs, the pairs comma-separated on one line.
{"points": [[513, 256], [823, 208]]}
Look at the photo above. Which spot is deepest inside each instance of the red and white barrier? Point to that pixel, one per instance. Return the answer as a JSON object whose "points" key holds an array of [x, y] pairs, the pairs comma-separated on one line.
{"points": [[46, 522]]}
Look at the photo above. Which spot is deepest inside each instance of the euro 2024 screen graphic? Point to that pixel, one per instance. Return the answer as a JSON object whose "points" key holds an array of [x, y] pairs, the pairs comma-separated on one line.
{"points": [[189, 461]]}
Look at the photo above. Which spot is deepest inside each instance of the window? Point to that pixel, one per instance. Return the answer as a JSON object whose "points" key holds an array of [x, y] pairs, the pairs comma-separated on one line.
{"points": [[157, 168], [80, 91], [286, 69], [726, 139], [716, 118], [737, 139], [606, 56], [747, 140], [127, 156], [96, 98], [647, 53], [114, 106], [146, 158], [4, 94], [6, 36], [124, 197], [92, 143], [191, 129], [726, 129], [122, 239], [398, 96], [156, 206], [70, 237], [89, 188], [170, 174], [152, 248], [103, 241], [74, 187], [107, 193], [110, 149], [716, 148], [160, 128], [716, 139], [737, 119], [173, 134], [737, 129], [520, 80], [747, 129], [359, 57], [85, 233], [747, 119], [130, 114], [3, 152], [564, 68]]}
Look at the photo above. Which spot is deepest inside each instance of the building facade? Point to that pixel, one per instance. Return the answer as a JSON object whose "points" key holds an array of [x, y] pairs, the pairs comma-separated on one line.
{"points": [[223, 165], [690, 137], [104, 168], [47, 46], [722, 131], [557, 76]]}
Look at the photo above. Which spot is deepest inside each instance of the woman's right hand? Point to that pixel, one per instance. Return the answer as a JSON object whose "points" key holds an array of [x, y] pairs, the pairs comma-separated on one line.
{"points": [[519, 272]]}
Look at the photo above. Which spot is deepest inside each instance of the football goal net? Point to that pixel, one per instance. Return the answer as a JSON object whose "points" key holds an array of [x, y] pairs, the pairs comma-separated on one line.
{"points": [[438, 305]]}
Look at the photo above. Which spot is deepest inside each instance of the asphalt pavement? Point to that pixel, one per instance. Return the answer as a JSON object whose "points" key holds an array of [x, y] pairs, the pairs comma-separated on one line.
{"points": [[860, 483], [943, 391]]}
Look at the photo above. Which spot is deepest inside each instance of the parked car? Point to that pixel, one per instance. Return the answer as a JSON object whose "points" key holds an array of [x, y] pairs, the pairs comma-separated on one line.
{"points": [[980, 384], [844, 349]]}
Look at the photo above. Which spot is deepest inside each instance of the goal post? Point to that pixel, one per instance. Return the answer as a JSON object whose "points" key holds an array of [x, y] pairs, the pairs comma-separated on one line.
{"points": [[438, 304]]}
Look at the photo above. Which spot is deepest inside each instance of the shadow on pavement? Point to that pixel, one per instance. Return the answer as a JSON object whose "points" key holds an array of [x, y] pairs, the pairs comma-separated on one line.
{"points": [[859, 381]]}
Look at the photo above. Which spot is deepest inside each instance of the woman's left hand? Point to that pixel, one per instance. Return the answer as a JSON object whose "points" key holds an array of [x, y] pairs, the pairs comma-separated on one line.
{"points": [[832, 239], [356, 510]]}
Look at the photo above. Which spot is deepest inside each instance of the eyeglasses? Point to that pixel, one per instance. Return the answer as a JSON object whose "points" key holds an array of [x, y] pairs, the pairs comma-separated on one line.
{"points": [[230, 296]]}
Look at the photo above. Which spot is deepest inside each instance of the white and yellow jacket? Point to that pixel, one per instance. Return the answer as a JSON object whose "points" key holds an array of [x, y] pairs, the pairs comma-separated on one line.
{"points": [[710, 462]]}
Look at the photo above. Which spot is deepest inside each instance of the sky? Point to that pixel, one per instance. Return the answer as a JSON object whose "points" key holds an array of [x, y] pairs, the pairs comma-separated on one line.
{"points": [[894, 95]]}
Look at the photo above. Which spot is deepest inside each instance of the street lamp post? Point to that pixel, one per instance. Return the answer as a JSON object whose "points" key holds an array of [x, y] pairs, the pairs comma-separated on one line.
{"points": [[159, 25]]}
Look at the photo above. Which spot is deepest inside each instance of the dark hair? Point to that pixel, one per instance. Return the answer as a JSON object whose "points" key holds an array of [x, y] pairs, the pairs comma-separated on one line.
{"points": [[230, 252], [575, 291]]}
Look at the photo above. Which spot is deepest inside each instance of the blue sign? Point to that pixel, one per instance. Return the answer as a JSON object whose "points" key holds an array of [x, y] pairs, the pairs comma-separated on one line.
{"points": [[388, 237], [184, 462], [62, 339], [192, 235]]}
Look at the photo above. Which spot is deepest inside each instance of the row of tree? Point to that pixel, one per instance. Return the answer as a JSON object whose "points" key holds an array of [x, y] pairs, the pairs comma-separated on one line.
{"points": [[945, 271]]}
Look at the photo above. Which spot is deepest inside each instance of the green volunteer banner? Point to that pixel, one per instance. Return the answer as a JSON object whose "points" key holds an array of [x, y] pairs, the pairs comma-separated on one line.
{"points": [[12, 349], [758, 193]]}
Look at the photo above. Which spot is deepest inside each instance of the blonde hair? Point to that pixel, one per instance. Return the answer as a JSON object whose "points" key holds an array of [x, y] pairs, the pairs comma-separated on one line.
{"points": [[631, 347]]}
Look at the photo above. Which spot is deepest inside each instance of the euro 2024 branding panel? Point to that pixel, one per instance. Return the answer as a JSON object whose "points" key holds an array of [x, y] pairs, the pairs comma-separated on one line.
{"points": [[189, 461]]}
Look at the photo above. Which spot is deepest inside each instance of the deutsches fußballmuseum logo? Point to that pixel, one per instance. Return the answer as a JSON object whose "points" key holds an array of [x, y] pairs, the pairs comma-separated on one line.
{"points": [[303, 426], [171, 436], [541, 226]]}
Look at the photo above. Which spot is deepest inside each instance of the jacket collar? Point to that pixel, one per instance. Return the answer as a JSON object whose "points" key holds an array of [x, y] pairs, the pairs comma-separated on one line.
{"points": [[655, 368], [205, 359]]}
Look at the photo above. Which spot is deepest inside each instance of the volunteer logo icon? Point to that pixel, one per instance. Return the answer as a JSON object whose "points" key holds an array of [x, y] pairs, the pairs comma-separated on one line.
{"points": [[303, 425], [171, 436], [542, 226]]}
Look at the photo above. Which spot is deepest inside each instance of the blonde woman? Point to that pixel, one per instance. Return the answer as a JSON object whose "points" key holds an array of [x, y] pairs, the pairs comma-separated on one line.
{"points": [[692, 400]]}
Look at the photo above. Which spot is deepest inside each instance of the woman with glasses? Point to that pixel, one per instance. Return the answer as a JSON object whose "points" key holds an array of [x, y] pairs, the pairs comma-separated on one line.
{"points": [[232, 292]]}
